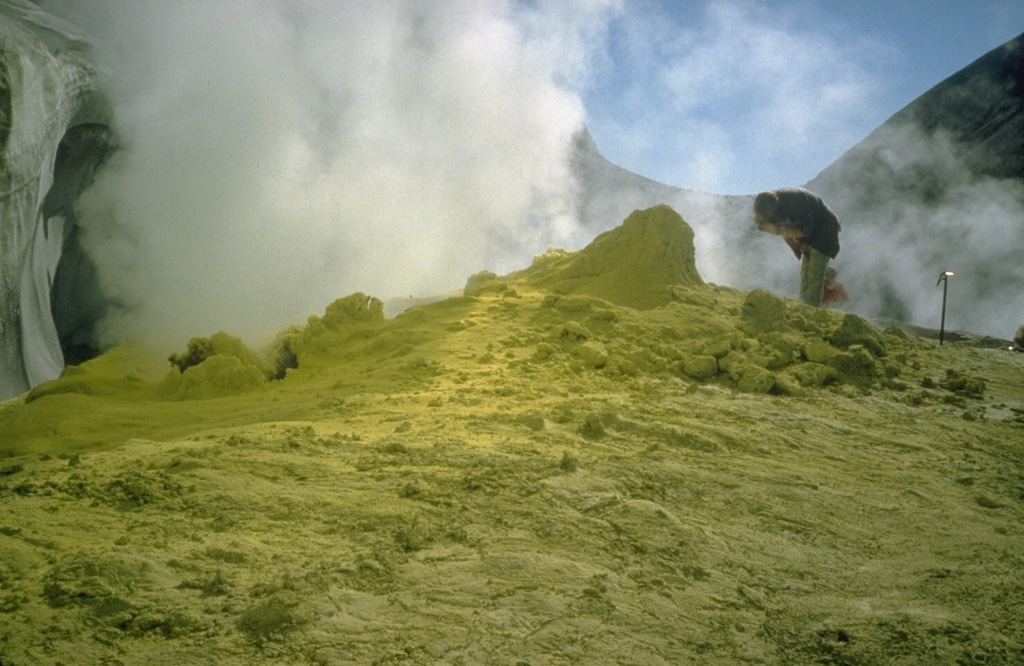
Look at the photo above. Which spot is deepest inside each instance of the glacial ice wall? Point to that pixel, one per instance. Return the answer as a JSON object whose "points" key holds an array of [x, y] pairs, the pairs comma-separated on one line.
{"points": [[47, 88]]}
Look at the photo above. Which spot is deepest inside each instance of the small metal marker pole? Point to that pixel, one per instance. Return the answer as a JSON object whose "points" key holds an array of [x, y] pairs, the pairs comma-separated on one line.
{"points": [[944, 278]]}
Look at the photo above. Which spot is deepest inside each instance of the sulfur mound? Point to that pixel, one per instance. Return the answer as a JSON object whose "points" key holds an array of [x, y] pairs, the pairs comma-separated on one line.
{"points": [[351, 309], [219, 344], [635, 265], [763, 310], [216, 366], [215, 377], [856, 331], [321, 333], [480, 282], [486, 282]]}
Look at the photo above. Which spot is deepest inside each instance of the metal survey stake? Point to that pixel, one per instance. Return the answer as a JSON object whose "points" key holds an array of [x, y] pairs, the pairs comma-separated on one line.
{"points": [[944, 279]]}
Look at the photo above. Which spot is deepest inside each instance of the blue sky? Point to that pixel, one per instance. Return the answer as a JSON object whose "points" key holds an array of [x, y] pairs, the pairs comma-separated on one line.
{"points": [[737, 96]]}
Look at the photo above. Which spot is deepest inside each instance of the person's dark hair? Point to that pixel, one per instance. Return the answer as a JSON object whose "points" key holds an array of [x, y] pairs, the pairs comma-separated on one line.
{"points": [[766, 206]]}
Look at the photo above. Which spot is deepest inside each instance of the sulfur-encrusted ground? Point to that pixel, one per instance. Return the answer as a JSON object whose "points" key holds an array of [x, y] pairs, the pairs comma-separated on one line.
{"points": [[597, 460]]}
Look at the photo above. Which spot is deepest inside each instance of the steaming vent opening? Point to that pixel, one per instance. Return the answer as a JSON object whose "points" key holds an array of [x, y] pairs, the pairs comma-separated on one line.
{"points": [[76, 300]]}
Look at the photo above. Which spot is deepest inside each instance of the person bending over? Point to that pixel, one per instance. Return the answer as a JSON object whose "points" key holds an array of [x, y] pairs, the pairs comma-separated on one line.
{"points": [[808, 226]]}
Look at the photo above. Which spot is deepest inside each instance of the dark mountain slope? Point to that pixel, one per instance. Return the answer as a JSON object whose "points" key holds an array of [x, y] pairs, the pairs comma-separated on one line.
{"points": [[939, 186], [982, 107]]}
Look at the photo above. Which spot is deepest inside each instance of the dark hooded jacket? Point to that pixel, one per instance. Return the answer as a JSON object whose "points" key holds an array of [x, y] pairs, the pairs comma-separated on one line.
{"points": [[808, 213]]}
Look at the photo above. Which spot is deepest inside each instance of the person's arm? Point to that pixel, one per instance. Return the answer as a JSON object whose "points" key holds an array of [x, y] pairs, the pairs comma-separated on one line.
{"points": [[795, 245]]}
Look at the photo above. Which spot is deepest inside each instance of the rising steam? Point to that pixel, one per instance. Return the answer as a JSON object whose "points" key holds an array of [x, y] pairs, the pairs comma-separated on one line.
{"points": [[279, 154], [914, 204]]}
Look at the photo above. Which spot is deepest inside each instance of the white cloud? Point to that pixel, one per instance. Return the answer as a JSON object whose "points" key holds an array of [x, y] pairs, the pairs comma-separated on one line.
{"points": [[785, 90]]}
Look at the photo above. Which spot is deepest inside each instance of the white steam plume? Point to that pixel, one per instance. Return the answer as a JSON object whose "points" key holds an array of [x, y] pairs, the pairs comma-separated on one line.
{"points": [[913, 204], [279, 154]]}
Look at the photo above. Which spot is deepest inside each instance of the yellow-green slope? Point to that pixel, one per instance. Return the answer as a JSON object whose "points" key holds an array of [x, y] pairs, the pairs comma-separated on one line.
{"points": [[576, 463]]}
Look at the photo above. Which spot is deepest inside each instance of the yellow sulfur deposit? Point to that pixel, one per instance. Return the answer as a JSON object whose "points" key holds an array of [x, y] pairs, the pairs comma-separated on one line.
{"points": [[598, 459]]}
